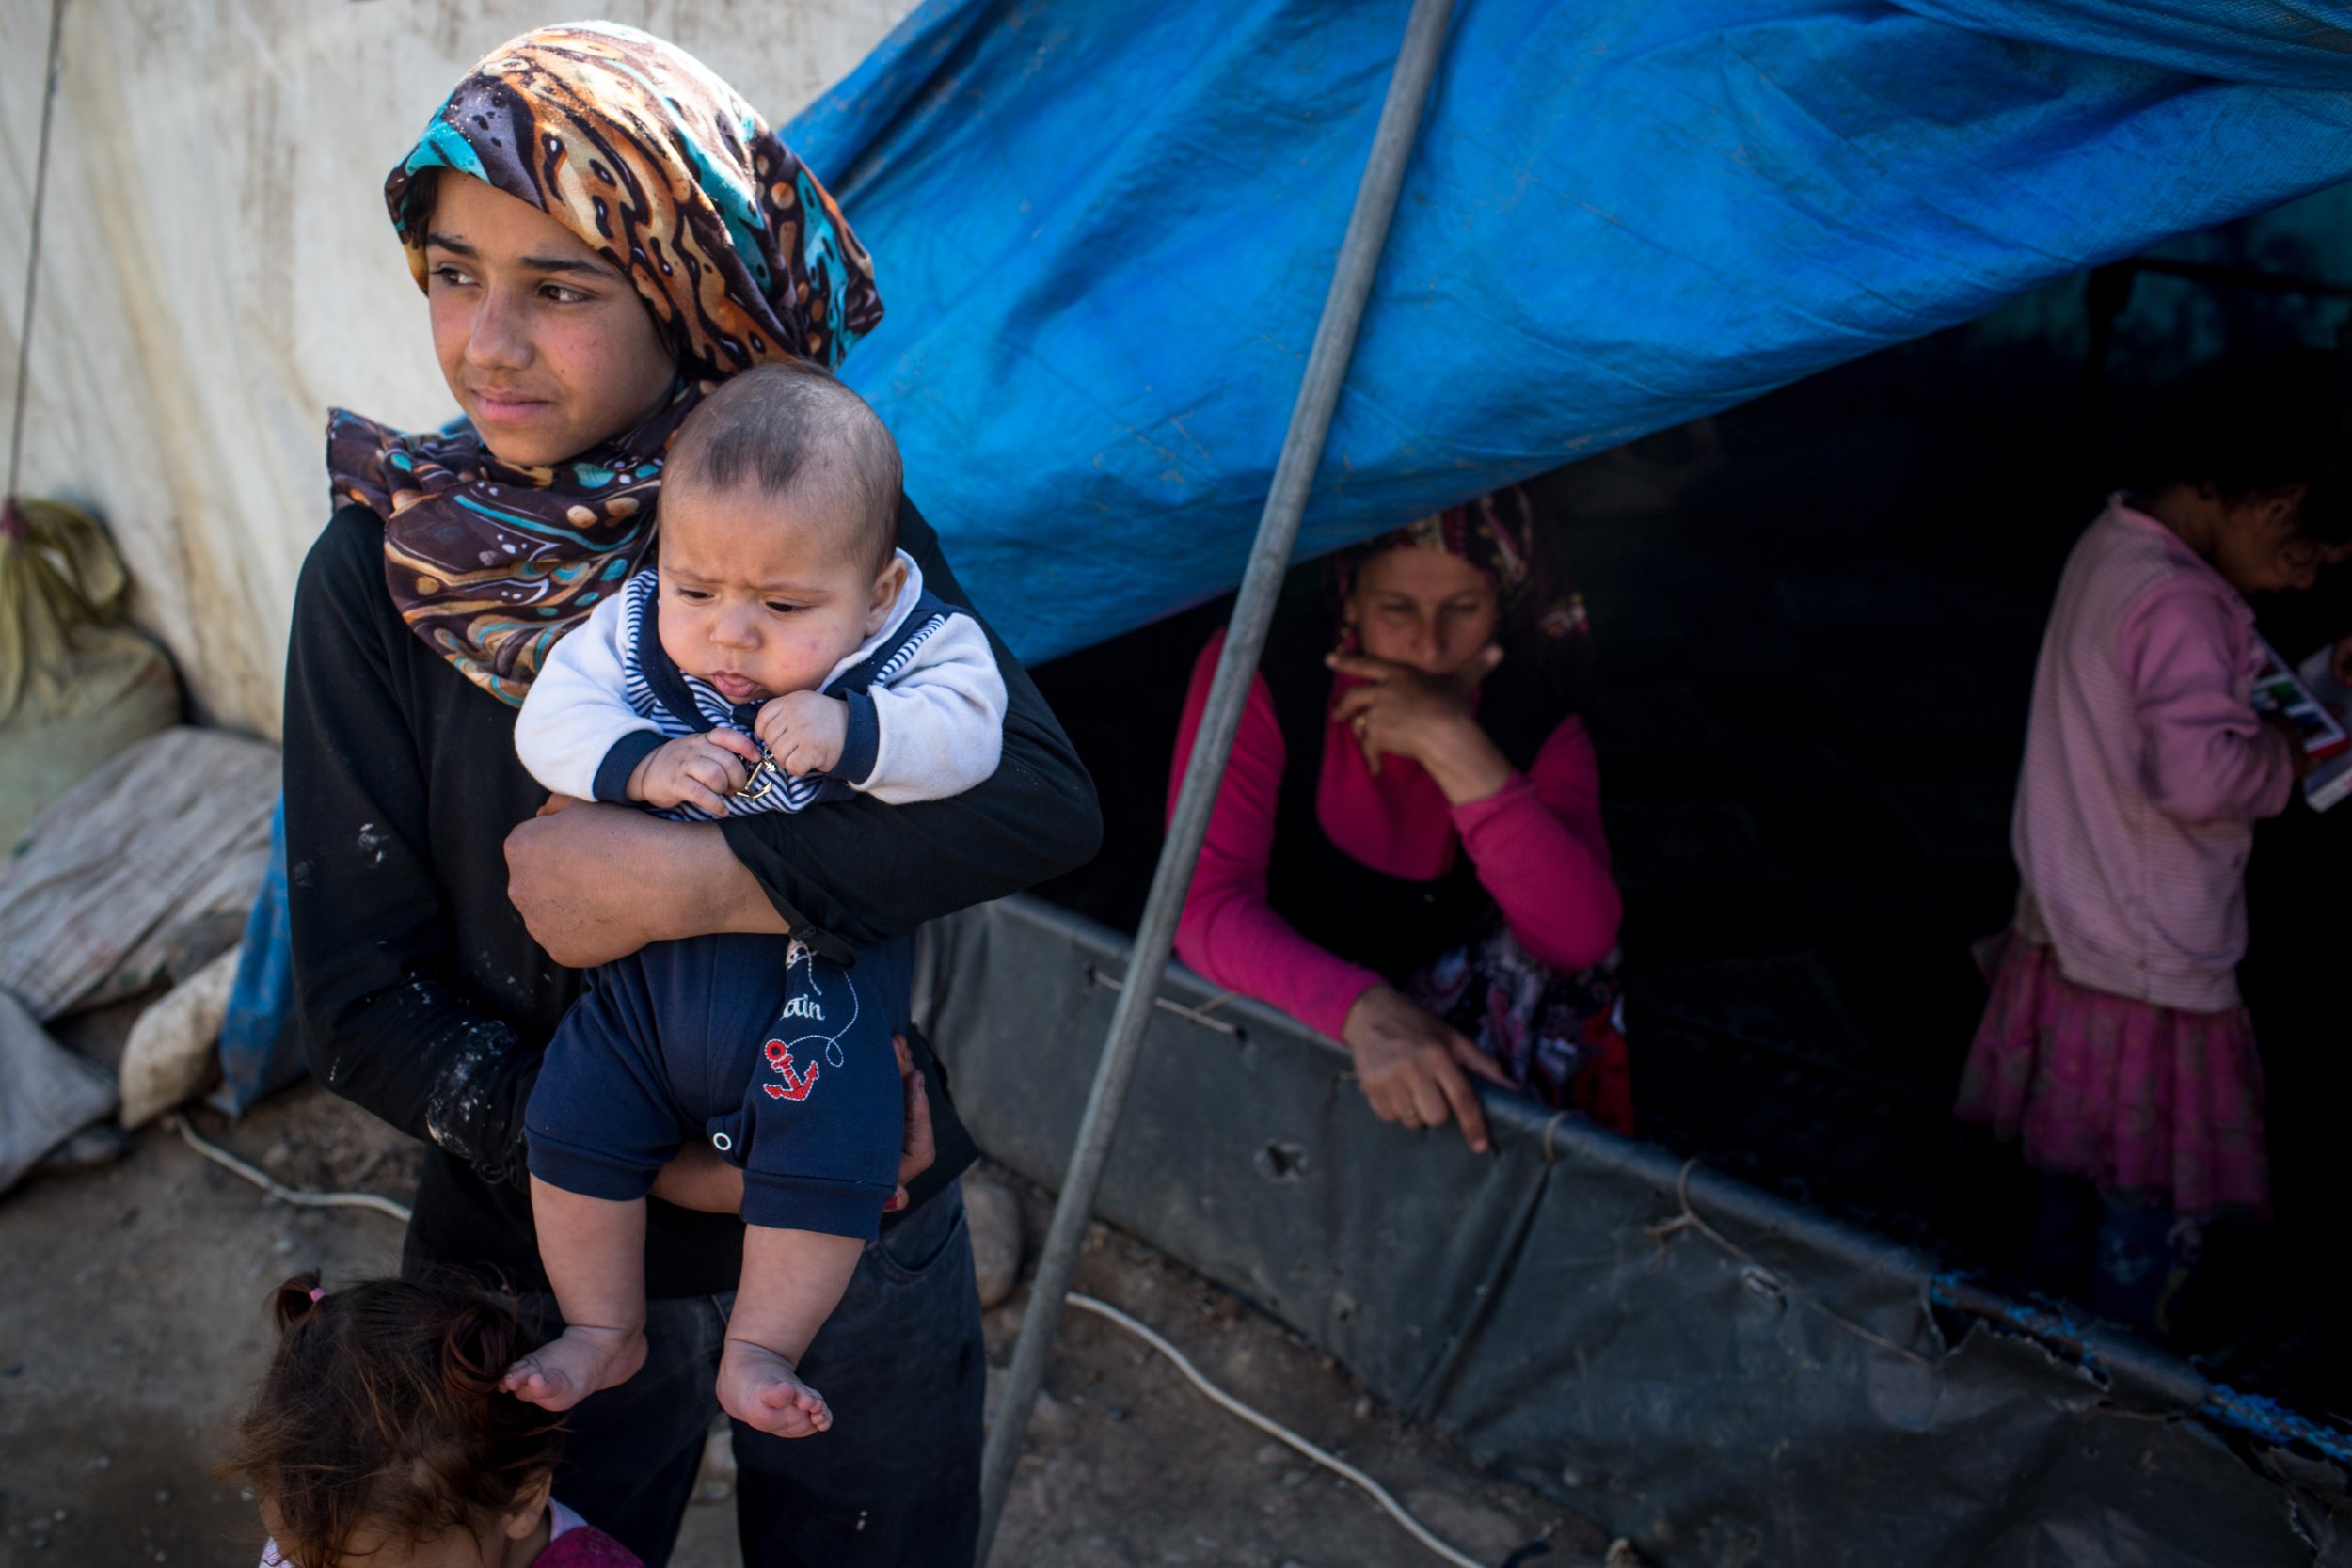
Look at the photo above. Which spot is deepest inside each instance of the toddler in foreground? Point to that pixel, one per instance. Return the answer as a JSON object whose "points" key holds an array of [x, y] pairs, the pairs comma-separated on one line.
{"points": [[380, 1437], [783, 654]]}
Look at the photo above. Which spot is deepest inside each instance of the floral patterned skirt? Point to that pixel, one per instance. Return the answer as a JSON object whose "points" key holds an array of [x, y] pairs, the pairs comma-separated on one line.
{"points": [[2147, 1100], [1560, 1038]]}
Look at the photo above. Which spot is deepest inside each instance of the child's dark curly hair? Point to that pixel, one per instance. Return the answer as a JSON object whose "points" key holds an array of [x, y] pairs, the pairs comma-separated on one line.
{"points": [[382, 1406], [2242, 427]]}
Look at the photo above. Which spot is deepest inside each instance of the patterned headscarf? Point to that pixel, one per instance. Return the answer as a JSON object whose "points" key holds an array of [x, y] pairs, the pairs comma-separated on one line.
{"points": [[1495, 533], [659, 168]]}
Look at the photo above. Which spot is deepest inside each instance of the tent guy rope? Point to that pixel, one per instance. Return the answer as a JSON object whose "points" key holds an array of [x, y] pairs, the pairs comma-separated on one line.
{"points": [[1689, 1219], [278, 1190], [1274, 1429]]}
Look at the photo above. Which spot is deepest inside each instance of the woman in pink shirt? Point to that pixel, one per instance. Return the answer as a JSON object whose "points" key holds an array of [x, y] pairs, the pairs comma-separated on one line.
{"points": [[1407, 850], [2115, 1046]]}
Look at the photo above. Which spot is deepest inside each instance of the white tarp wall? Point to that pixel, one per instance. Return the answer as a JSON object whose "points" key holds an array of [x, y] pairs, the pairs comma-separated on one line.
{"points": [[217, 266]]}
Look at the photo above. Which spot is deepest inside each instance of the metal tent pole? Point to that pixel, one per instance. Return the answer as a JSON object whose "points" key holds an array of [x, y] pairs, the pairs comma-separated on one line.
{"points": [[1269, 558]]}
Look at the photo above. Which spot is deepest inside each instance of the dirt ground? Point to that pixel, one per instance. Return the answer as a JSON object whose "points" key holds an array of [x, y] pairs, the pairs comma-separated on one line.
{"points": [[131, 1324]]}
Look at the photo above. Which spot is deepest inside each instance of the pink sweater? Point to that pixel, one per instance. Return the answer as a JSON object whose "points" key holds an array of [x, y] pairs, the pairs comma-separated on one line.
{"points": [[2145, 770], [573, 1543], [1537, 842]]}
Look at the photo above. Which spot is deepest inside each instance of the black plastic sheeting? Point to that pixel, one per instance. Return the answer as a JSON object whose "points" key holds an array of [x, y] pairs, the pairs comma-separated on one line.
{"points": [[1724, 1377]]}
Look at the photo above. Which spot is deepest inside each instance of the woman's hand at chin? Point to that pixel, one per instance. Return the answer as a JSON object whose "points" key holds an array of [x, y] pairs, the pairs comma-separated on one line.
{"points": [[1414, 1069], [1397, 710]]}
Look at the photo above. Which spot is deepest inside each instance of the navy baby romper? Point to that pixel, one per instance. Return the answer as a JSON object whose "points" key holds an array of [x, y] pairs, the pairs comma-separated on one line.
{"points": [[781, 1058], [778, 1055]]}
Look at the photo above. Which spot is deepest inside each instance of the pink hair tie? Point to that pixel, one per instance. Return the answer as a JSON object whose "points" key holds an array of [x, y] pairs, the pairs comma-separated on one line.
{"points": [[318, 1292]]}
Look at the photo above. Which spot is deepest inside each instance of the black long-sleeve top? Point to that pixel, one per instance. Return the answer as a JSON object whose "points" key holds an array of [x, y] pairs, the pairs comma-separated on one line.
{"points": [[421, 994]]}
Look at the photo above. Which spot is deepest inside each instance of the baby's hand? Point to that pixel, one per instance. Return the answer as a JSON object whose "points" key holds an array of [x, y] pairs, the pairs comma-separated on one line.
{"points": [[695, 771], [804, 731]]}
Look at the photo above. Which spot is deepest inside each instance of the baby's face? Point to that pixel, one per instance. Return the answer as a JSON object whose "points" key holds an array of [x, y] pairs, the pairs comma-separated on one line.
{"points": [[760, 597]]}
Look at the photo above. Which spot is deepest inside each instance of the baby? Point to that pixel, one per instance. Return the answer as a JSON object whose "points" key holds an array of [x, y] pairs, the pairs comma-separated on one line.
{"points": [[783, 654]]}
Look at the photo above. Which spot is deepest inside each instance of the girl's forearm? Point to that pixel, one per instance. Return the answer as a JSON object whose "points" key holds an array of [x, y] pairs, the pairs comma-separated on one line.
{"points": [[697, 1179], [594, 883]]}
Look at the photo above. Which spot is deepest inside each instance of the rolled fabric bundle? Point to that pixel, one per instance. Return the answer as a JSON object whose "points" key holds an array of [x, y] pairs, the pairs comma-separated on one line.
{"points": [[169, 1059]]}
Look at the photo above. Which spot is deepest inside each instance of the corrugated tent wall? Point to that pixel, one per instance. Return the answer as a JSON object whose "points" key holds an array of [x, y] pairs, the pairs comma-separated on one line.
{"points": [[1725, 1377]]}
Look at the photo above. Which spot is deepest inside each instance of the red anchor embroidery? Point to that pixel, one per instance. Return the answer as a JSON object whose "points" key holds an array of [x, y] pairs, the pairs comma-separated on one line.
{"points": [[795, 1086]]}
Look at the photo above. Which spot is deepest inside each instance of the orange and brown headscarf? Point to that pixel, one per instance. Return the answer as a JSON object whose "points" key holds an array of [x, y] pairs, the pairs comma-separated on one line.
{"points": [[739, 254]]}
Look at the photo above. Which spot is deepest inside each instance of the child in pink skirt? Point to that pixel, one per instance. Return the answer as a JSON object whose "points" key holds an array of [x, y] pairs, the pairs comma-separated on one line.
{"points": [[2115, 1046], [380, 1436]]}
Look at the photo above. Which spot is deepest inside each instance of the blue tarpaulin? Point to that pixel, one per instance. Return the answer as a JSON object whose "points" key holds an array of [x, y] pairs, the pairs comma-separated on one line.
{"points": [[259, 1053], [1104, 230]]}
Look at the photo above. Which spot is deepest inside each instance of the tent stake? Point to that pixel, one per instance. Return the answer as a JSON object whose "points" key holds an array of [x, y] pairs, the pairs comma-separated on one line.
{"points": [[1245, 638]]}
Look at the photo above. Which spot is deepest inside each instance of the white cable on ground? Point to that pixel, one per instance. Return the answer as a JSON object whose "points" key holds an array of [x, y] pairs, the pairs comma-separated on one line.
{"points": [[1266, 1424], [1275, 1429], [284, 1194]]}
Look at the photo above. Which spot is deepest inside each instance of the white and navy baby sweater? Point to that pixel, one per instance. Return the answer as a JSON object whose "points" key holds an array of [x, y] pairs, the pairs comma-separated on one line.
{"points": [[927, 708]]}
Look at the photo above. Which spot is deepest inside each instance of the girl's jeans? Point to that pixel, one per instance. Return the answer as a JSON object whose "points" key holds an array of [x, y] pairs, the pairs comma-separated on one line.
{"points": [[894, 1485]]}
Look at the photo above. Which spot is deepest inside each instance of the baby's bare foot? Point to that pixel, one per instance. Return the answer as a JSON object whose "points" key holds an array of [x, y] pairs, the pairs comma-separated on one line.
{"points": [[758, 1388], [577, 1363]]}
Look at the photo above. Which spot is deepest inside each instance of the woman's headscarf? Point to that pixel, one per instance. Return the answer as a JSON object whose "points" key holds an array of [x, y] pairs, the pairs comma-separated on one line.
{"points": [[1499, 534], [1495, 534], [659, 168]]}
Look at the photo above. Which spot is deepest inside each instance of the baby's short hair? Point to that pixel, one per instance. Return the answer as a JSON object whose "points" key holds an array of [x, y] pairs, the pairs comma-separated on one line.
{"points": [[791, 431]]}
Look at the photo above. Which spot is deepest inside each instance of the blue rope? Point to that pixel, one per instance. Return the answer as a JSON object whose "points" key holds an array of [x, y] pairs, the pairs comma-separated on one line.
{"points": [[2255, 1414]]}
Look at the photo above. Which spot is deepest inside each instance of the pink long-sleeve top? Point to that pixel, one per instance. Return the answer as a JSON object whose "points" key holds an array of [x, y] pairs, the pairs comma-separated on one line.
{"points": [[2145, 770], [1538, 844]]}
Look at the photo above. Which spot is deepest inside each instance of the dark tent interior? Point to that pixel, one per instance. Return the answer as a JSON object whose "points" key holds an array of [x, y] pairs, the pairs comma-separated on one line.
{"points": [[1815, 619]]}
